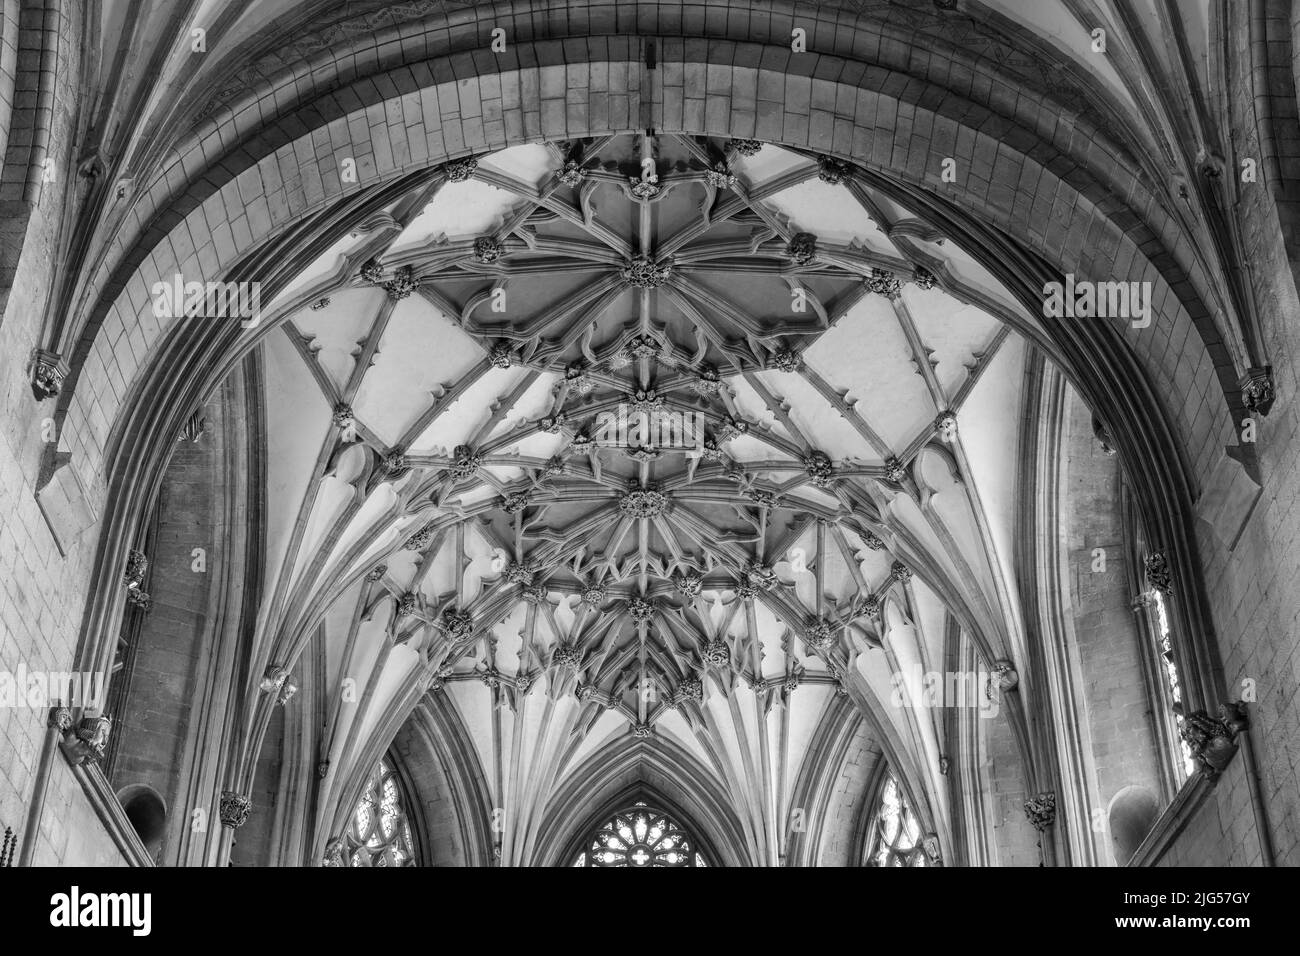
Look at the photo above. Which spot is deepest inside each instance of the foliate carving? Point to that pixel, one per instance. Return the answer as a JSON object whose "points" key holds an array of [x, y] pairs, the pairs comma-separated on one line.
{"points": [[1041, 810], [566, 655], [593, 595], [137, 566], [553, 424], [900, 572], [644, 273], [514, 503], [785, 361], [869, 606], [832, 171], [872, 540], [394, 465], [523, 682], [1257, 389], [91, 738], [517, 573], [923, 278], [333, 853], [401, 285], [343, 416], [60, 719], [491, 677], [572, 174], [554, 466], [639, 609], [645, 189], [761, 496], [721, 177], [791, 684], [457, 625], [802, 248], [710, 451], [465, 462], [577, 379], [536, 593], [746, 147], [406, 604], [1159, 576], [717, 654], [761, 576], [820, 469], [422, 538], [460, 170], [732, 428], [377, 573], [642, 731], [233, 809], [688, 585], [707, 380], [487, 249], [48, 374], [1212, 740], [691, 688], [501, 355], [643, 502], [645, 400], [820, 633], [642, 346], [883, 282], [895, 471]]}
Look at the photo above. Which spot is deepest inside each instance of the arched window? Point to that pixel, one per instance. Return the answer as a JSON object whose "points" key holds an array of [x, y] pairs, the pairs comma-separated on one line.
{"points": [[639, 836], [894, 837], [1173, 685], [379, 833]]}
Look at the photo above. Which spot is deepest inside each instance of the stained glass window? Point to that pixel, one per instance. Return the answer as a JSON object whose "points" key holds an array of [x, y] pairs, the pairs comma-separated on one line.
{"points": [[640, 836], [895, 836], [379, 833]]}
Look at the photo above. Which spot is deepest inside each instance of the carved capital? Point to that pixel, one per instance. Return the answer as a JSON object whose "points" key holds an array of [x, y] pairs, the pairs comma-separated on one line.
{"points": [[1041, 810], [1257, 389], [233, 809], [48, 370]]}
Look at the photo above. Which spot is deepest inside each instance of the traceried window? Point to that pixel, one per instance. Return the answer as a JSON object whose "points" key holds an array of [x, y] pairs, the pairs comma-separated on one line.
{"points": [[379, 833], [640, 836], [1172, 682], [895, 835]]}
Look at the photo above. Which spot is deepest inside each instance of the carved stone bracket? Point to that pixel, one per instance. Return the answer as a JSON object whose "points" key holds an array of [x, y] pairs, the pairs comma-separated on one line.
{"points": [[1257, 389], [1213, 740], [1041, 810], [48, 370], [233, 809]]}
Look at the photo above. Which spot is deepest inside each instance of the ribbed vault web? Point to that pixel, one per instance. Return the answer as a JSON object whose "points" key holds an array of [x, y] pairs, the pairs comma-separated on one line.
{"points": [[627, 426]]}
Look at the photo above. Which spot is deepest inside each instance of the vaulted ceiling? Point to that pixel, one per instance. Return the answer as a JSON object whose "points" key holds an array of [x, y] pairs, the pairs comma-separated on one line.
{"points": [[452, 507]]}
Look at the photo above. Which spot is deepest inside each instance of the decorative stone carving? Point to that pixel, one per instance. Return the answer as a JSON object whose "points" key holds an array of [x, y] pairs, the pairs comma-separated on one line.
{"points": [[577, 380], [514, 503], [460, 170], [572, 174], [645, 189], [832, 171], [802, 248], [501, 355], [820, 468], [593, 595], [553, 424], [323, 769], [333, 853], [273, 679], [732, 428], [233, 809], [1213, 740], [554, 466], [717, 654], [517, 573], [287, 692], [721, 177], [642, 731], [457, 625], [1257, 389], [422, 538], [48, 374], [91, 738], [536, 593], [1158, 574], [688, 585], [487, 249], [871, 540], [645, 400], [895, 471], [691, 688], [900, 572], [1041, 810], [567, 656], [1102, 434], [930, 843], [343, 416], [465, 462], [137, 566], [883, 282], [639, 609], [785, 361], [643, 346], [760, 576], [60, 719], [523, 682], [377, 573], [746, 147], [1003, 679], [401, 285], [761, 496], [707, 380], [192, 430], [946, 426], [923, 278], [644, 273], [943, 764], [394, 465], [643, 502], [491, 677], [406, 604], [820, 633], [869, 606]]}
